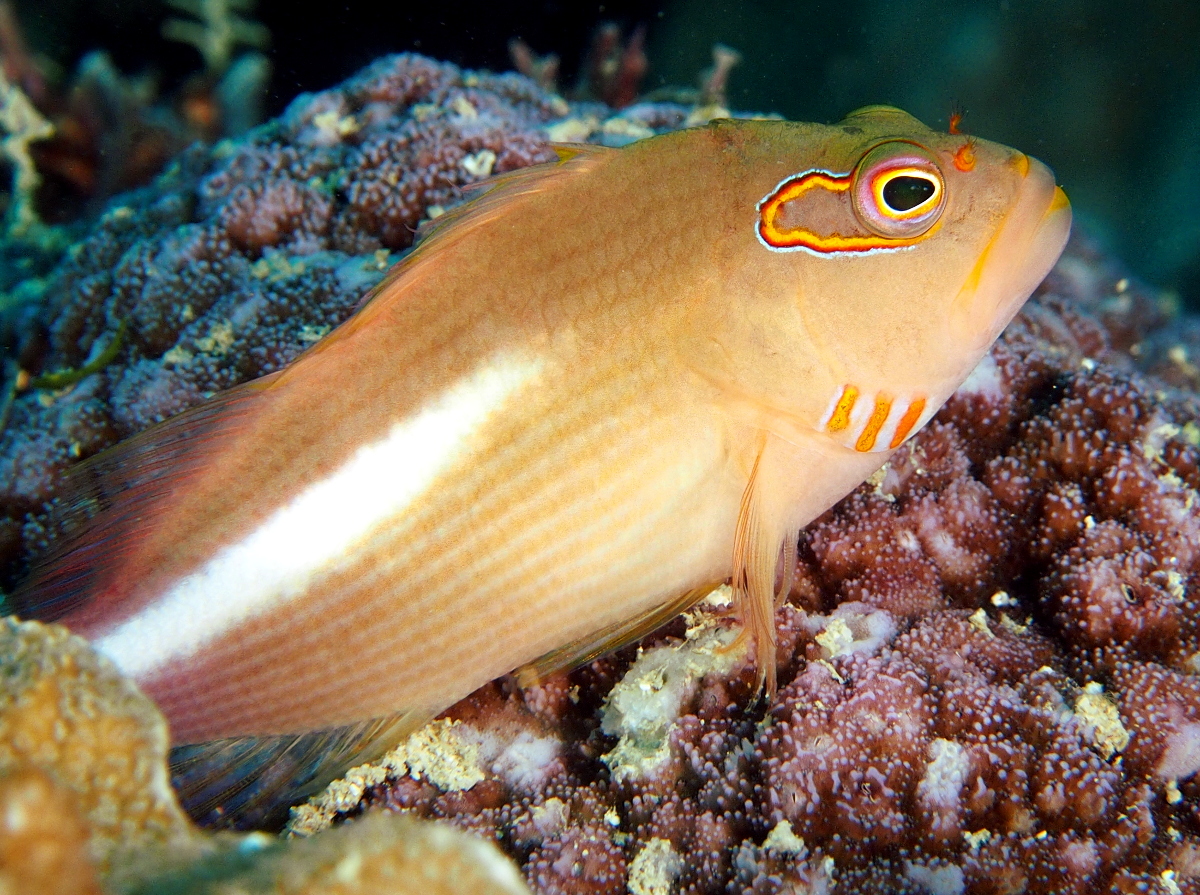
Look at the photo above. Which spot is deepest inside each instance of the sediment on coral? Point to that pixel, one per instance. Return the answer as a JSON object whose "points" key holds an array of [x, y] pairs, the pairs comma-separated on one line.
{"points": [[987, 661]]}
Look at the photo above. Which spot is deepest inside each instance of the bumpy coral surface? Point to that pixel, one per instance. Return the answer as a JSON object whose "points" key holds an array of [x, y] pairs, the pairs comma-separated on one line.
{"points": [[988, 661], [74, 733], [86, 807]]}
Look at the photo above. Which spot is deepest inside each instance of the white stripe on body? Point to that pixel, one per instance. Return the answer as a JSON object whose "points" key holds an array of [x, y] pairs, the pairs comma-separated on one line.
{"points": [[277, 561]]}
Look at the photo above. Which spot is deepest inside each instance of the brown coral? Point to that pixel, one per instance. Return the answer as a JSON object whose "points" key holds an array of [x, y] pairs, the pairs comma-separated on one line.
{"points": [[66, 713], [43, 840], [86, 806]]}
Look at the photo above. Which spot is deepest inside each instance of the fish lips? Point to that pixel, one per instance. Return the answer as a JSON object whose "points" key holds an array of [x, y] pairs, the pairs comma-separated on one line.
{"points": [[1018, 256]]}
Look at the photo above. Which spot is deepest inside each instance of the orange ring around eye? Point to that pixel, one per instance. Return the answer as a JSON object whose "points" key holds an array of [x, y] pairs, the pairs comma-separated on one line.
{"points": [[880, 166], [882, 178]]}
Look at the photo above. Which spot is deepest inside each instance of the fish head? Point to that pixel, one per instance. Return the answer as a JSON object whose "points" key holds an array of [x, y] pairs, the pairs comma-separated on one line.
{"points": [[894, 256]]}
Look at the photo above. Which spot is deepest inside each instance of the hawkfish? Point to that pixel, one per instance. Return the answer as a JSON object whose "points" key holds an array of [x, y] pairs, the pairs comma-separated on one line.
{"points": [[600, 387]]}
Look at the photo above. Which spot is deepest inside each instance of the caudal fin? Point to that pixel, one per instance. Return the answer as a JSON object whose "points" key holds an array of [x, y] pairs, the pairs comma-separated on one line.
{"points": [[113, 500]]}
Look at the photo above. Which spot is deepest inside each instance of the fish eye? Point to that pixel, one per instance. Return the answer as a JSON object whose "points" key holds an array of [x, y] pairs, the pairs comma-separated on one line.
{"points": [[906, 192], [899, 191]]}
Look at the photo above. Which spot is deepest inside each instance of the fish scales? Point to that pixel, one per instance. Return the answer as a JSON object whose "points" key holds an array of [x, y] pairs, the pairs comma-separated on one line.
{"points": [[602, 384]]}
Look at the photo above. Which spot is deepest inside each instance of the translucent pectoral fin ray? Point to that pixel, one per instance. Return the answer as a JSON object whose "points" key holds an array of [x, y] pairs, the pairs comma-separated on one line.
{"points": [[763, 530]]}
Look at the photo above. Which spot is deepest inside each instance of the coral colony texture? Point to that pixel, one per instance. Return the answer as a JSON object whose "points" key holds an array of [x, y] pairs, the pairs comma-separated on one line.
{"points": [[989, 662], [86, 807]]}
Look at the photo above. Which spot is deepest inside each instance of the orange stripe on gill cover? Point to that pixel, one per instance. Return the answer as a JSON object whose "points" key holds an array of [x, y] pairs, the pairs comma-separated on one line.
{"points": [[780, 239], [840, 418], [883, 406], [907, 422]]}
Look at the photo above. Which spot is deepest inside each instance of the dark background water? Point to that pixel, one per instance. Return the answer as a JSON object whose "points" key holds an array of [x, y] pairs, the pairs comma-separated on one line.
{"points": [[1106, 92]]}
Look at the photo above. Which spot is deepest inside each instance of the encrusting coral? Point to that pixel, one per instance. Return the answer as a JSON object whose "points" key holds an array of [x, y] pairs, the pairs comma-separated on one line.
{"points": [[72, 730], [86, 805], [987, 661]]}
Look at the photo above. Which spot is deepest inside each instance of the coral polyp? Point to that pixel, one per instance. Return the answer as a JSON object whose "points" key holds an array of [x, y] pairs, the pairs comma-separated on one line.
{"points": [[987, 661]]}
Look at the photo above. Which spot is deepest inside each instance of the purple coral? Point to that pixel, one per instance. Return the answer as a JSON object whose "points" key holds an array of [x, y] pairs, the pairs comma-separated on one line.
{"points": [[241, 256], [986, 662]]}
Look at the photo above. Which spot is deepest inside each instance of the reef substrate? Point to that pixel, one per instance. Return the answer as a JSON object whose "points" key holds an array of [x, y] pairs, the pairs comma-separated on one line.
{"points": [[988, 664], [988, 661]]}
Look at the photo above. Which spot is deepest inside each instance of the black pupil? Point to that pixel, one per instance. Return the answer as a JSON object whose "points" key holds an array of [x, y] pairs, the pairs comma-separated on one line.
{"points": [[904, 193]]}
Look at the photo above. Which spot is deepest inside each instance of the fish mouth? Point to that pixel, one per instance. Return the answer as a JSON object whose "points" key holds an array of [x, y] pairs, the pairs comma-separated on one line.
{"points": [[1020, 254]]}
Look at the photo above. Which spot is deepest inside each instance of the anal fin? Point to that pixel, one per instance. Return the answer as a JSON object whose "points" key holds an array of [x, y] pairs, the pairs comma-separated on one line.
{"points": [[249, 783], [609, 639]]}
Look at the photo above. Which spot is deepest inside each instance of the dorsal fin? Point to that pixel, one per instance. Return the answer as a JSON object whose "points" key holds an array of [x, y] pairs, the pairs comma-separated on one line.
{"points": [[486, 200], [111, 499]]}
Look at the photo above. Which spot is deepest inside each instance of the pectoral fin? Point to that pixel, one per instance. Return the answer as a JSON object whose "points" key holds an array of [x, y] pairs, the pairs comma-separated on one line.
{"points": [[764, 527], [609, 639]]}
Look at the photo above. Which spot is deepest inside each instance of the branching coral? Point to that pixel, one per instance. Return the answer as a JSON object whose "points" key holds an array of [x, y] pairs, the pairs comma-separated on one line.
{"points": [[23, 124], [216, 29]]}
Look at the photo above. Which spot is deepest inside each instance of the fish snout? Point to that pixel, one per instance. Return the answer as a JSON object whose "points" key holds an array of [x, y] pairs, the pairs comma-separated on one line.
{"points": [[1043, 201], [1019, 255]]}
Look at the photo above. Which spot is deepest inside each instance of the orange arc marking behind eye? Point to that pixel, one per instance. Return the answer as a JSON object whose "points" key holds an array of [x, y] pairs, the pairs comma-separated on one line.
{"points": [[915, 409], [879, 415], [840, 418], [795, 187]]}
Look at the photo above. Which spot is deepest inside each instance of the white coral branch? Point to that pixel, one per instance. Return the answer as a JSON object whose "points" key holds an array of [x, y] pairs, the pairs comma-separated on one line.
{"points": [[22, 124], [217, 30]]}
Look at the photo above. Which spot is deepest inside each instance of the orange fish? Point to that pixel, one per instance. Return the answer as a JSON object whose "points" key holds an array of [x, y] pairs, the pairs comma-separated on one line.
{"points": [[605, 384]]}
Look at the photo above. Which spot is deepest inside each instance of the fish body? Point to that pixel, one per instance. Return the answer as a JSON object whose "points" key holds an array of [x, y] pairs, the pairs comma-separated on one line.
{"points": [[604, 383]]}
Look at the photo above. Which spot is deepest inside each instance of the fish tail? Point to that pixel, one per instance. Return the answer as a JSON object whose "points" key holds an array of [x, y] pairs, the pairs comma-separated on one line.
{"points": [[110, 502]]}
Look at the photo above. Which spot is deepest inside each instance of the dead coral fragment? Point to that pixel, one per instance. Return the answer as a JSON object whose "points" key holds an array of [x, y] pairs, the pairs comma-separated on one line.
{"points": [[437, 753], [644, 708], [23, 125], [615, 69], [714, 82], [542, 70]]}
